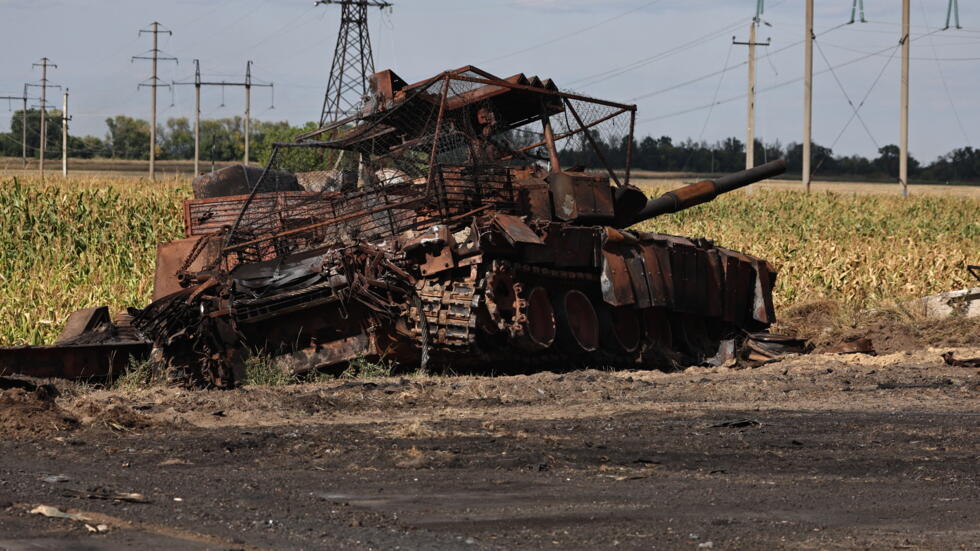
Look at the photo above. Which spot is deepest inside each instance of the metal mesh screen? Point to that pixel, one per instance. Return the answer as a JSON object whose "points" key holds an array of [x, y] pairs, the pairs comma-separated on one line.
{"points": [[439, 149]]}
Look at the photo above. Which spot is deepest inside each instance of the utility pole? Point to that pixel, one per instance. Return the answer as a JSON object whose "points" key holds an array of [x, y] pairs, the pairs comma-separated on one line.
{"points": [[248, 106], [153, 84], [23, 123], [248, 84], [197, 113], [353, 61], [903, 156], [44, 64], [750, 126], [64, 135], [23, 128], [807, 93]]}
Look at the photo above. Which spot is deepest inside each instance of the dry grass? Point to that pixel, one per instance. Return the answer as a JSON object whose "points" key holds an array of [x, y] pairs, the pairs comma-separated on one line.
{"points": [[891, 328], [859, 250], [91, 240], [656, 180]]}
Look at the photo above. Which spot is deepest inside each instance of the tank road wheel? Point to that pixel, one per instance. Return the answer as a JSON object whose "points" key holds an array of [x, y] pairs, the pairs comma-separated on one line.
{"points": [[578, 324], [501, 298], [536, 319], [621, 330], [527, 318]]}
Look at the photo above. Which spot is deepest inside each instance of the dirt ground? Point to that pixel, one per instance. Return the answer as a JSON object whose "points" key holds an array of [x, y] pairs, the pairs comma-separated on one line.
{"points": [[811, 452]]}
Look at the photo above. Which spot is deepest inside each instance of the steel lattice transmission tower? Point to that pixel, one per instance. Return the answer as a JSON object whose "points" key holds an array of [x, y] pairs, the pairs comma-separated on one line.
{"points": [[353, 61]]}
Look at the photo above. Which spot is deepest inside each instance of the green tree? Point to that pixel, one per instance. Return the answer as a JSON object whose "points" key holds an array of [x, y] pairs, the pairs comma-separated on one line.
{"points": [[177, 139], [127, 137], [887, 161], [52, 123]]}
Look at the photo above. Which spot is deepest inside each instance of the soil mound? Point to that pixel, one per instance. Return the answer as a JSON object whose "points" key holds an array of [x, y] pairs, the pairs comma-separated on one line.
{"points": [[29, 410]]}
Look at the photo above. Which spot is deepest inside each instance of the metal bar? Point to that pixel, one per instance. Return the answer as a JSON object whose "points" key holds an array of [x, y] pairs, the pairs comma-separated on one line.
{"points": [[567, 134], [404, 204], [507, 84], [595, 146], [435, 136], [549, 138], [629, 148], [251, 195]]}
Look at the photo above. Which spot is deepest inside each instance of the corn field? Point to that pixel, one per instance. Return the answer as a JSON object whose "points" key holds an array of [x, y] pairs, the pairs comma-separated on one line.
{"points": [[70, 246], [860, 250], [92, 241]]}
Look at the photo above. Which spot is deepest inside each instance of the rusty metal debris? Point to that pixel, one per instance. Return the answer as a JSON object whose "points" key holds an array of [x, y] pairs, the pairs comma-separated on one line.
{"points": [[950, 359], [450, 223], [860, 345]]}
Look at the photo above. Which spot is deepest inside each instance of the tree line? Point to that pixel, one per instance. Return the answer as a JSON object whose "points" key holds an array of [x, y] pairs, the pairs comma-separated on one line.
{"points": [[128, 138], [223, 140], [728, 155]]}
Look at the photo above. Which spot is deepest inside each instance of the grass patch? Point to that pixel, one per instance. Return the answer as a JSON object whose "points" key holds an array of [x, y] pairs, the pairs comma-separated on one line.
{"points": [[362, 368], [262, 370], [140, 374]]}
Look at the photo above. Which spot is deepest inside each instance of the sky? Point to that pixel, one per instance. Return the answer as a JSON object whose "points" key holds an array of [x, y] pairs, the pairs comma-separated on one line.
{"points": [[673, 58]]}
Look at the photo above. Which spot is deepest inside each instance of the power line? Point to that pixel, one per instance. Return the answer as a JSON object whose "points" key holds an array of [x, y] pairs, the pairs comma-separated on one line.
{"points": [[707, 117], [612, 73], [942, 77], [23, 123], [570, 34], [855, 113], [714, 97], [840, 85], [760, 91], [731, 68], [774, 86], [857, 51], [248, 83]]}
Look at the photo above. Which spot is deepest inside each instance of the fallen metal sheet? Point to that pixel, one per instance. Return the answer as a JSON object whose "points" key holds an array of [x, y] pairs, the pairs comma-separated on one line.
{"points": [[82, 321], [71, 361], [329, 354], [950, 359]]}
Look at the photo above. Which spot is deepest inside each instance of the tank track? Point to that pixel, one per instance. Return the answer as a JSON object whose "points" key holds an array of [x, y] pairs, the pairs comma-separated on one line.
{"points": [[452, 329]]}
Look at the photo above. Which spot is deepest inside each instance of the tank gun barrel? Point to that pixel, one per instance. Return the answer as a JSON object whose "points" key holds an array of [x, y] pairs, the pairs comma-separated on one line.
{"points": [[702, 192]]}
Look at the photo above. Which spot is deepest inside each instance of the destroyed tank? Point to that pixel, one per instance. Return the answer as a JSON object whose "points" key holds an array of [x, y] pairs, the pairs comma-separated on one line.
{"points": [[451, 224]]}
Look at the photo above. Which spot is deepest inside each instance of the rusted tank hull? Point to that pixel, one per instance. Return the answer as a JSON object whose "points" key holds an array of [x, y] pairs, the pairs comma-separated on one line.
{"points": [[516, 296], [437, 228]]}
